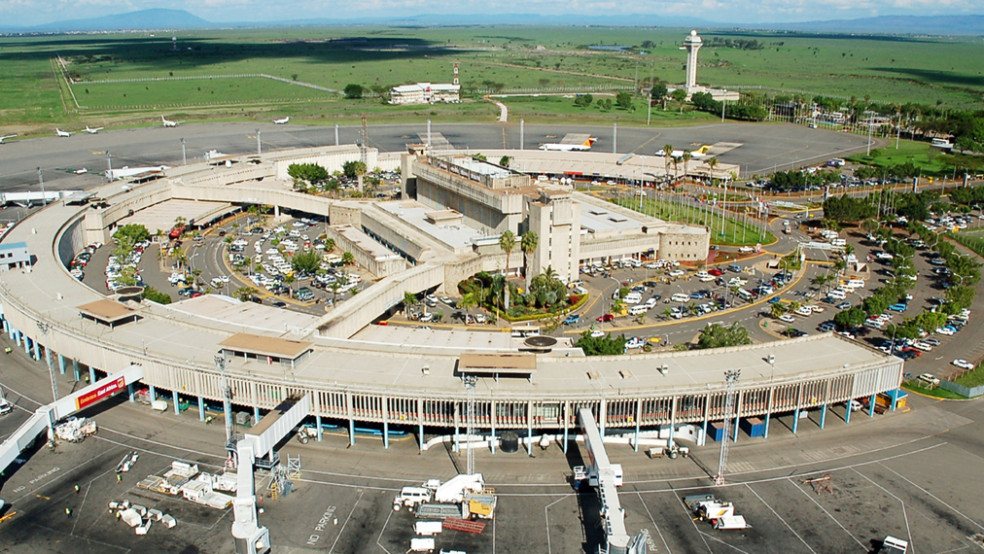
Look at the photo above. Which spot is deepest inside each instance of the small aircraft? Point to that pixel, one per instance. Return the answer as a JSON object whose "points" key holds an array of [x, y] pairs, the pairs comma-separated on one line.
{"points": [[696, 154], [92, 131], [168, 122], [62, 133], [560, 147], [281, 121], [3, 138]]}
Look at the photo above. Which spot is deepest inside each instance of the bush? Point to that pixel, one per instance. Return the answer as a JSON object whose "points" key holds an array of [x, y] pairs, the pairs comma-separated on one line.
{"points": [[154, 295]]}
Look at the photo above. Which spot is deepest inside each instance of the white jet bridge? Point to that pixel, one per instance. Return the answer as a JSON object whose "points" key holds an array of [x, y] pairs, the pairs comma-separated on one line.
{"points": [[606, 477], [250, 537]]}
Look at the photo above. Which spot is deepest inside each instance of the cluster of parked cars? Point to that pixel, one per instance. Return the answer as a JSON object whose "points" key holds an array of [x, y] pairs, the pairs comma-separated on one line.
{"points": [[116, 266], [81, 260]]}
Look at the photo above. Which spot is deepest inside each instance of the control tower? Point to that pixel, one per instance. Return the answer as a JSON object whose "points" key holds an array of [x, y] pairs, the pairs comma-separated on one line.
{"points": [[691, 44]]}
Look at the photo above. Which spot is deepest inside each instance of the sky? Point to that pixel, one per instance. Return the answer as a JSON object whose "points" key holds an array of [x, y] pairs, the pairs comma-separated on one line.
{"points": [[32, 12]]}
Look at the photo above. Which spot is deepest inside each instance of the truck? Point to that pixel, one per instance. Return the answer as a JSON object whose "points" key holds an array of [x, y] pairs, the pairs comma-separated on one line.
{"points": [[454, 489], [131, 517], [719, 513], [441, 511], [892, 545], [427, 528], [421, 545]]}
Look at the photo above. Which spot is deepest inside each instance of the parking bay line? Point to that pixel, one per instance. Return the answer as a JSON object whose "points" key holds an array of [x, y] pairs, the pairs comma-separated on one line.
{"points": [[762, 500], [934, 497], [652, 519], [342, 530], [826, 512], [905, 516]]}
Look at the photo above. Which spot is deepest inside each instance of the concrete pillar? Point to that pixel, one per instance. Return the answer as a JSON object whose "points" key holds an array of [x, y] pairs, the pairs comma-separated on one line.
{"points": [[871, 406], [61, 364], [256, 415], [420, 433], [276, 211], [37, 350], [75, 368], [177, 408], [317, 422], [737, 418], [386, 434], [529, 429], [457, 444], [765, 435], [6, 327], [823, 415], [847, 412], [351, 432], [27, 344], [47, 356], [92, 374], [673, 406], [152, 391], [567, 420], [201, 409], [796, 420], [492, 419], [129, 391]]}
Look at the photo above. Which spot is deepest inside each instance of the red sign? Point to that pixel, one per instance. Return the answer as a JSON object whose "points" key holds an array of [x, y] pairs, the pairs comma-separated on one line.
{"points": [[100, 393]]}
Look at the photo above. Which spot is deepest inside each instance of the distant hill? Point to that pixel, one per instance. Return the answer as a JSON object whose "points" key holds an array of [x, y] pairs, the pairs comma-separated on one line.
{"points": [[889, 24], [180, 19], [142, 19]]}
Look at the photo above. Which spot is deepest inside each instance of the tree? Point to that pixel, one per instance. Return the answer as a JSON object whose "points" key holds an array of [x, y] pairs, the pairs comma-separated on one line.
{"points": [[605, 345], [624, 100], [306, 262], [245, 294], [711, 164], [849, 319], [718, 336], [133, 232], [348, 258], [409, 301], [678, 95], [667, 157], [687, 155], [353, 91], [507, 242], [355, 169], [154, 295], [777, 309], [289, 280], [504, 161], [659, 91], [528, 244], [310, 173]]}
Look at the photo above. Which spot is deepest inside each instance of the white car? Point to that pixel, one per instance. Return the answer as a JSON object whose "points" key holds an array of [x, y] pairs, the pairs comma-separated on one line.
{"points": [[597, 333], [634, 342], [787, 318], [963, 364], [677, 273], [746, 249], [804, 311], [945, 331]]}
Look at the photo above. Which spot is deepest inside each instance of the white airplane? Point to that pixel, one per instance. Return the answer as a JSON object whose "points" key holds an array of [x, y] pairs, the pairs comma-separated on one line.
{"points": [[3, 138], [698, 154], [92, 131], [559, 147], [282, 121], [62, 133], [168, 122]]}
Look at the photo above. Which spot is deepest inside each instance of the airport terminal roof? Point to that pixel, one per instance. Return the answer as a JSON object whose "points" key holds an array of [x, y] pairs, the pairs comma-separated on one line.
{"points": [[261, 345], [252, 315], [162, 215], [415, 214], [107, 311]]}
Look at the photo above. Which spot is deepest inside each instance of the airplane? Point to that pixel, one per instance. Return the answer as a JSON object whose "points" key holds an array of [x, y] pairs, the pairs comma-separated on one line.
{"points": [[696, 154], [168, 122], [3, 138], [282, 121], [93, 131], [62, 133], [584, 146]]}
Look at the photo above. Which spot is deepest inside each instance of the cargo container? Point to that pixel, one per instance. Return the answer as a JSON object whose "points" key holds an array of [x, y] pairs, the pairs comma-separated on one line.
{"points": [[715, 430], [754, 426]]}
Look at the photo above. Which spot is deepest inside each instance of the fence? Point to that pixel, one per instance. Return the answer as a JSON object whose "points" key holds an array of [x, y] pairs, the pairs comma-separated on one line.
{"points": [[962, 390]]}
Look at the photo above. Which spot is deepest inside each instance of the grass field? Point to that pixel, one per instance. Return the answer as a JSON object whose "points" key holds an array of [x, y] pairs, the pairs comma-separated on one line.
{"points": [[735, 232], [545, 59]]}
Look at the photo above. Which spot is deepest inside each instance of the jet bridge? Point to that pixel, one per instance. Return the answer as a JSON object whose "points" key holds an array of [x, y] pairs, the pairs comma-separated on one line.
{"points": [[606, 477], [249, 536], [46, 416]]}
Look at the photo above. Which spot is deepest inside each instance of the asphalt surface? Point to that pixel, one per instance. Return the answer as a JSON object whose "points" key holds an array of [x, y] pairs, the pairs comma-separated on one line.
{"points": [[761, 148]]}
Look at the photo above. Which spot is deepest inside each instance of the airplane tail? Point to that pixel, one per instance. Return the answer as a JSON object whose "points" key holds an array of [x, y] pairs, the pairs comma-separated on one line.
{"points": [[590, 142], [703, 149]]}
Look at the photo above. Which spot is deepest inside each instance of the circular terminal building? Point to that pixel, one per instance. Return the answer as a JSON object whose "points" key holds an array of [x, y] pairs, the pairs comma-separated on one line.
{"points": [[362, 376]]}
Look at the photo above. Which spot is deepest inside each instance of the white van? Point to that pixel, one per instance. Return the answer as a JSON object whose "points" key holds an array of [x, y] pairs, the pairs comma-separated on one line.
{"points": [[680, 297], [638, 310], [838, 242], [633, 298], [838, 294], [856, 283], [412, 497]]}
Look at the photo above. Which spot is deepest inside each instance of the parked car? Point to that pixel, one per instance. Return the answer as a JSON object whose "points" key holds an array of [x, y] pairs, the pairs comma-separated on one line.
{"points": [[787, 318], [572, 319], [963, 364], [606, 317]]}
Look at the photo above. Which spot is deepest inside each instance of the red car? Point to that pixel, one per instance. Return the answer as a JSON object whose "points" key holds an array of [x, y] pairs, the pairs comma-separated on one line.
{"points": [[715, 272], [605, 317]]}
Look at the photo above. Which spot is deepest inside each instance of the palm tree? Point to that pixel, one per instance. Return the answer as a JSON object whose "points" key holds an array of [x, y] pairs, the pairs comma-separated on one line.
{"points": [[244, 294], [667, 157], [409, 300], [528, 244], [711, 164], [507, 242], [686, 162], [180, 257], [777, 309], [248, 262], [289, 280]]}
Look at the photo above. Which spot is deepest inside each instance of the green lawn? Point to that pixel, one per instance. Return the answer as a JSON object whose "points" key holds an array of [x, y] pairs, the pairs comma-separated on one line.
{"points": [[971, 379], [734, 232], [936, 392], [885, 69], [929, 160]]}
